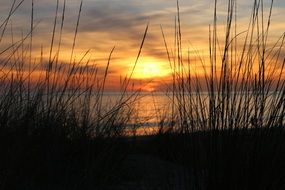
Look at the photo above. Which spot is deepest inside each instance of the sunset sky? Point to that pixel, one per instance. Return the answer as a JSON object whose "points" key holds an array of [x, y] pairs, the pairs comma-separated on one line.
{"points": [[121, 23]]}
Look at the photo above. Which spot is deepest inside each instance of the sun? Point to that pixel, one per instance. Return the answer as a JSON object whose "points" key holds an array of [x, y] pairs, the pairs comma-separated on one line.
{"points": [[148, 69], [151, 69]]}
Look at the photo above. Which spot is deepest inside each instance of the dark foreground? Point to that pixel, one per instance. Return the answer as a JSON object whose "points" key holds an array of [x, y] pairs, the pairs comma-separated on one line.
{"points": [[230, 159]]}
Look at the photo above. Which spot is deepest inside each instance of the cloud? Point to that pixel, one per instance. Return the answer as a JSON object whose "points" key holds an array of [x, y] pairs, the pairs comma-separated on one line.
{"points": [[121, 23]]}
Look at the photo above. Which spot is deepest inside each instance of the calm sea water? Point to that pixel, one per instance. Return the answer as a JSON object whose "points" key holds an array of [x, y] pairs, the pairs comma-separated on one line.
{"points": [[150, 109], [147, 110]]}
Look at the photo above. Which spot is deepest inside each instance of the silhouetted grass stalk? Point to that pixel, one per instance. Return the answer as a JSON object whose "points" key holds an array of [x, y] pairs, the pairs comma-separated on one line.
{"points": [[229, 123], [52, 105]]}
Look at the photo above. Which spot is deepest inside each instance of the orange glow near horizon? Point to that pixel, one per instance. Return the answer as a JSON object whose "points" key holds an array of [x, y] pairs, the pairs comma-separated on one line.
{"points": [[149, 68], [121, 24]]}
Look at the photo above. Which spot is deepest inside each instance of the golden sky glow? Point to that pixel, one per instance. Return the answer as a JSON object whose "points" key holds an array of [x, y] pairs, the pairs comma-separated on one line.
{"points": [[149, 68], [121, 23]]}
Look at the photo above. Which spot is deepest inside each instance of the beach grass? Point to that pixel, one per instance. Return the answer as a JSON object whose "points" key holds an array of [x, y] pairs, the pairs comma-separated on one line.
{"points": [[228, 128], [225, 129], [56, 131]]}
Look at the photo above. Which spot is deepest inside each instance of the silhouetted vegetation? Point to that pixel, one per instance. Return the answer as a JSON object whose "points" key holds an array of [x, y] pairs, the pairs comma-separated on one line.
{"points": [[57, 133], [55, 129], [232, 136]]}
